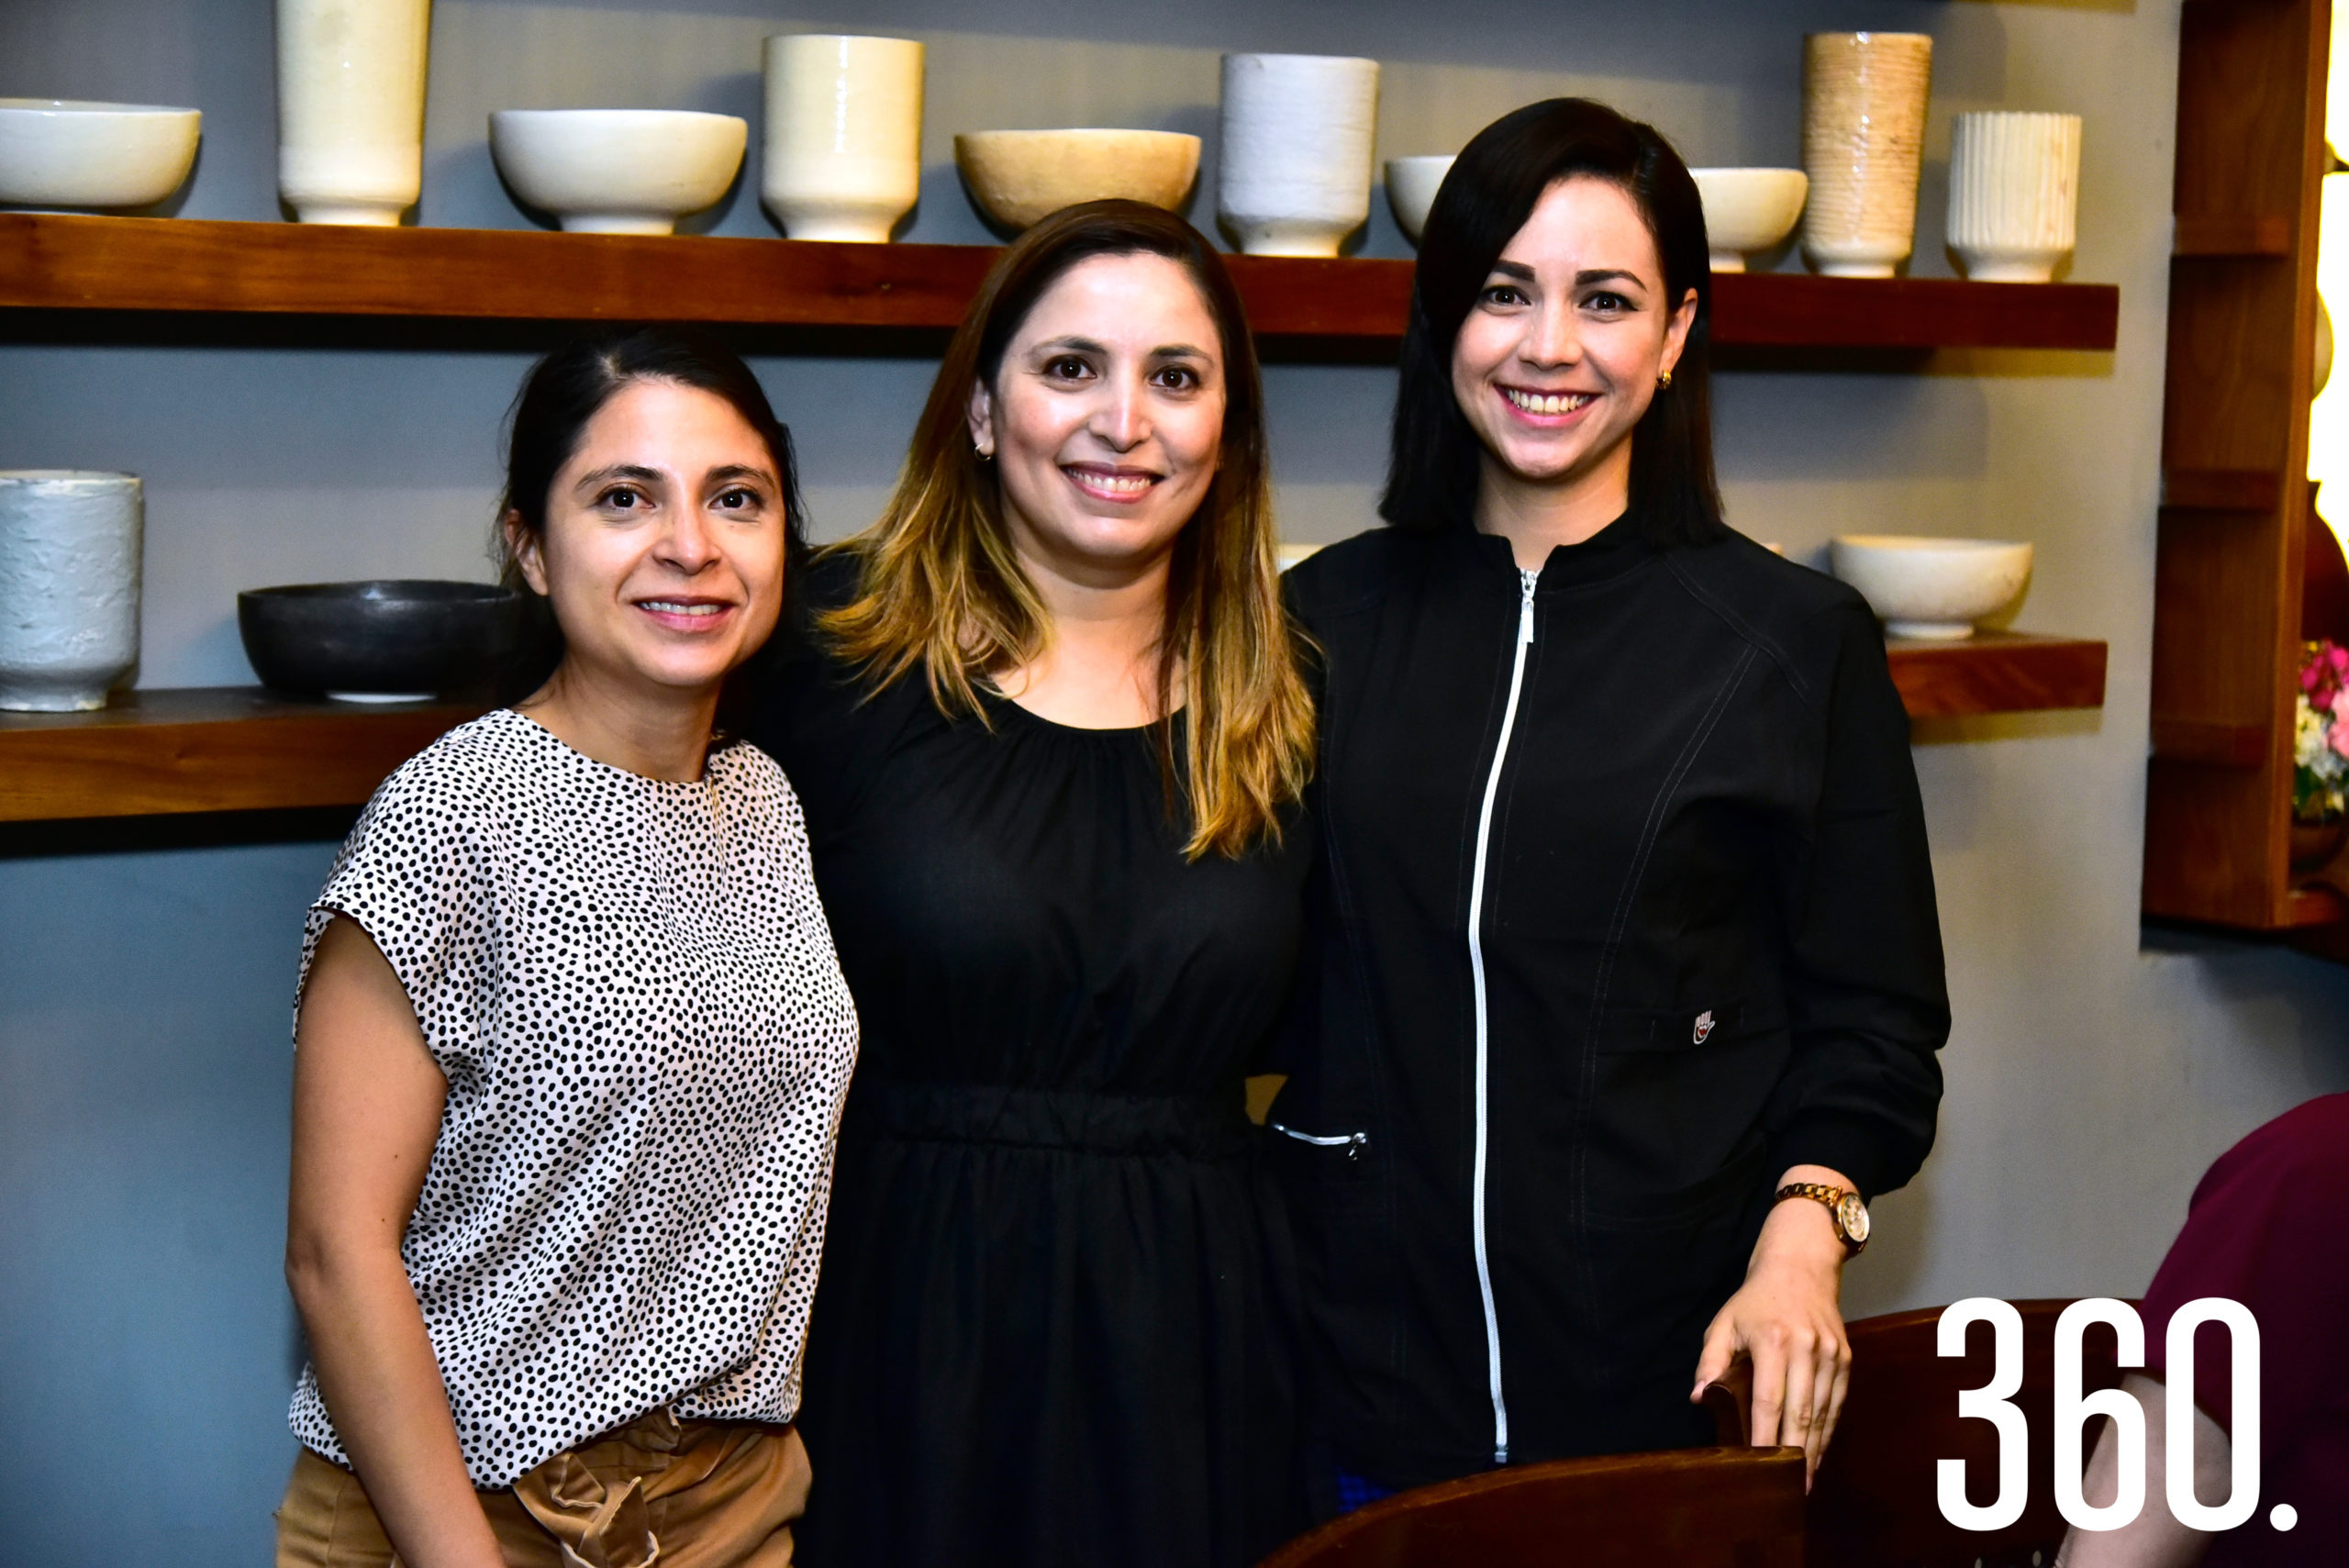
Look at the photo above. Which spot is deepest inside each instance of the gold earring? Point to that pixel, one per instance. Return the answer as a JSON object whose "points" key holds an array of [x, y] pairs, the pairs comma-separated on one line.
{"points": [[1663, 382]]}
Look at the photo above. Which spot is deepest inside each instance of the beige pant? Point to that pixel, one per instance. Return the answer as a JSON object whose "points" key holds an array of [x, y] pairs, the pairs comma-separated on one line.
{"points": [[694, 1494]]}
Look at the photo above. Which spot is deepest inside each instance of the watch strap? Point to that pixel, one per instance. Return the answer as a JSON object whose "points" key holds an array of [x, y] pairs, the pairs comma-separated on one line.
{"points": [[1832, 1199]]}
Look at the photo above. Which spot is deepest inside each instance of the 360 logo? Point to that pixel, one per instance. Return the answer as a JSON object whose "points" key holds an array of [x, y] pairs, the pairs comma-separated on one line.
{"points": [[2075, 1409]]}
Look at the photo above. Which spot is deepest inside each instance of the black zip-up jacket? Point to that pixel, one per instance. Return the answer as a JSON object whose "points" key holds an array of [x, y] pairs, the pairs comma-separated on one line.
{"points": [[1623, 907]]}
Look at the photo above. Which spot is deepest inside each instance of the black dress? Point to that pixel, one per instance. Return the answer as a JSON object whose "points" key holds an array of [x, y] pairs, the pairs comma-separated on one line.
{"points": [[1044, 1332]]}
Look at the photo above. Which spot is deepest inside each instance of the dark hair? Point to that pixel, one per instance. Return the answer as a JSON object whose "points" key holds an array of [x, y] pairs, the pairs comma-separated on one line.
{"points": [[1489, 195], [940, 588], [550, 416]]}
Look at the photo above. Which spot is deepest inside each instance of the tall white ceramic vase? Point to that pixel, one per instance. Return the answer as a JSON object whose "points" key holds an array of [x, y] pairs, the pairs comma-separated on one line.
{"points": [[2014, 194], [350, 108], [68, 586], [1863, 138], [1294, 171], [843, 134]]}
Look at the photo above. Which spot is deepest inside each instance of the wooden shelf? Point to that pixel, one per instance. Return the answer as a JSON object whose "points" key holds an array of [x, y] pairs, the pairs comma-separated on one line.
{"points": [[207, 749], [65, 263], [158, 754], [1997, 671]]}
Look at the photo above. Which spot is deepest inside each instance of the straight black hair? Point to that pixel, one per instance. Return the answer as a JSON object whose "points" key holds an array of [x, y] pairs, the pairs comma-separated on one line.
{"points": [[1490, 193], [550, 416]]}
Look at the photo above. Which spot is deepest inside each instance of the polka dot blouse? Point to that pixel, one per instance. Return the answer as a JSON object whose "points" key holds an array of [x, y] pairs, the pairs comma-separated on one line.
{"points": [[630, 986]]}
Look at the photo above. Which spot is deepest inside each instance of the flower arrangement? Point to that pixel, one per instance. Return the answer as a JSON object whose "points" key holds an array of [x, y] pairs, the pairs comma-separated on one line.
{"points": [[2321, 734]]}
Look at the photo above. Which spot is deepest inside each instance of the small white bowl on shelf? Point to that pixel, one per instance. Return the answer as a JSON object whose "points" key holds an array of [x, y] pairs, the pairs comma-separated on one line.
{"points": [[1933, 589], [618, 170], [1749, 210], [1411, 185], [63, 152], [1018, 177]]}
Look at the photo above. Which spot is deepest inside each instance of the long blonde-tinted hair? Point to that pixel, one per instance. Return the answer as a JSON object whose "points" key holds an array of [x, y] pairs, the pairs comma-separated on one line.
{"points": [[941, 587]]}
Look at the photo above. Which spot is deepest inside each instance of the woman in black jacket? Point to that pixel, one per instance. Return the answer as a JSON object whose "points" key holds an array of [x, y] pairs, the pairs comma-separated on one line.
{"points": [[1623, 985]]}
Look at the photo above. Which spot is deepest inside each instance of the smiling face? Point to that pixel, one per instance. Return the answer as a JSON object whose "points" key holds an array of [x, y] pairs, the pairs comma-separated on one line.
{"points": [[664, 549], [1105, 418], [1558, 358]]}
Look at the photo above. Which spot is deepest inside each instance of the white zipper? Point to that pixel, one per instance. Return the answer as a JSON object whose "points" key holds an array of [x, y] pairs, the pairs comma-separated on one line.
{"points": [[1353, 1143], [1526, 582]]}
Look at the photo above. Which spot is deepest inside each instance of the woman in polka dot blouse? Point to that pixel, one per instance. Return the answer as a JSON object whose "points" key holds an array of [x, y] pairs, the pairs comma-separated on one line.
{"points": [[572, 1042]]}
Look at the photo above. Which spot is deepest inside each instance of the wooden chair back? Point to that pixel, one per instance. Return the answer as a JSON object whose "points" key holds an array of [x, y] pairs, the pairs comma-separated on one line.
{"points": [[1718, 1507], [1873, 1503]]}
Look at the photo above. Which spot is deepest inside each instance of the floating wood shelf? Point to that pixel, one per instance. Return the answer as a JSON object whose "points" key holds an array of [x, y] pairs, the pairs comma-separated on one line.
{"points": [[63, 263], [207, 749], [241, 749], [1997, 671]]}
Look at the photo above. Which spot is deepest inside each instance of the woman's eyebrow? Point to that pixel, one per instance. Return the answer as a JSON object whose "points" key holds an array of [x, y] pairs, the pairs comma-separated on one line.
{"points": [[635, 471], [1070, 344], [734, 473], [1609, 276]]}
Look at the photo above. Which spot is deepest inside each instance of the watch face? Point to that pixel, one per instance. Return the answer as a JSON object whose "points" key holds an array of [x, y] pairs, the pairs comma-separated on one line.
{"points": [[1854, 1217]]}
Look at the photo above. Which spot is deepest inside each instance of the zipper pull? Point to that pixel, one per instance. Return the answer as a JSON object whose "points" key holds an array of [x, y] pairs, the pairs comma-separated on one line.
{"points": [[1526, 581]]}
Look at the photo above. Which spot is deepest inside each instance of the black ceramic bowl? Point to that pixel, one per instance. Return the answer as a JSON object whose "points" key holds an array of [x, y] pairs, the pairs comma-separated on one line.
{"points": [[382, 639]]}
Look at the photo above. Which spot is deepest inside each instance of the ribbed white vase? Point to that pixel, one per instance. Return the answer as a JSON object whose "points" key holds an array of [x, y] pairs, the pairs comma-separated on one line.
{"points": [[1294, 165], [843, 134], [350, 108], [1864, 99], [2014, 194], [68, 586]]}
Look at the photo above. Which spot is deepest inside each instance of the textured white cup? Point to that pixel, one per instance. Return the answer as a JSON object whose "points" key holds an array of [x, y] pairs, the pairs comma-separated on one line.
{"points": [[843, 134], [350, 108], [68, 586], [2014, 194], [1294, 177], [1863, 138], [1411, 185], [618, 170], [64, 152], [1933, 589]]}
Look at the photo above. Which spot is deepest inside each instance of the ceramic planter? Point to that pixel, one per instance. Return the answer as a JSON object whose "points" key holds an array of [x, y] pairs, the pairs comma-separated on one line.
{"points": [[1862, 137], [68, 586], [843, 134], [2014, 194], [350, 108], [1295, 161]]}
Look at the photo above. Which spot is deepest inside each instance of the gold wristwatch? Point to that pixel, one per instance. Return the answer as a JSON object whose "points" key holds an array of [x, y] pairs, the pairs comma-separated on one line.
{"points": [[1851, 1215]]}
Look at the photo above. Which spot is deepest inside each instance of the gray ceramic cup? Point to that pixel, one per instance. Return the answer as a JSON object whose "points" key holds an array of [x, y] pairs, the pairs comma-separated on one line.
{"points": [[68, 586]]}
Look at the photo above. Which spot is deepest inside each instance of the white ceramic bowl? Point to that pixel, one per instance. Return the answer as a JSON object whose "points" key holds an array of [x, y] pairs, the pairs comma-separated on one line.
{"points": [[1018, 176], [1411, 185], [618, 170], [1932, 588], [63, 152], [1748, 210]]}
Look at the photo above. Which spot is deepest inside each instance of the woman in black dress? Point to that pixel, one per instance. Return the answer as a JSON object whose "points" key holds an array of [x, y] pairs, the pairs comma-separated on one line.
{"points": [[1624, 983], [1048, 725]]}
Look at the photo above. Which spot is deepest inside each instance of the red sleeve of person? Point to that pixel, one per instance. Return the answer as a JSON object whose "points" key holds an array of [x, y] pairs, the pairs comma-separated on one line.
{"points": [[2269, 1227]]}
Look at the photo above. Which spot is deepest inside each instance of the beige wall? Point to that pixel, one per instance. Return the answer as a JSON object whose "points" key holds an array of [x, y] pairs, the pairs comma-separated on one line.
{"points": [[2094, 1071]]}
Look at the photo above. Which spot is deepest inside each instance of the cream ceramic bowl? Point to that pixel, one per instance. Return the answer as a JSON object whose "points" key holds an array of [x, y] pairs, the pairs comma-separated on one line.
{"points": [[1411, 185], [1748, 210], [618, 170], [1018, 176], [63, 152], [1932, 588]]}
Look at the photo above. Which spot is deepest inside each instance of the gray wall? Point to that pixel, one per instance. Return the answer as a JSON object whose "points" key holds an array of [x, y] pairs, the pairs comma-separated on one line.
{"points": [[144, 985]]}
